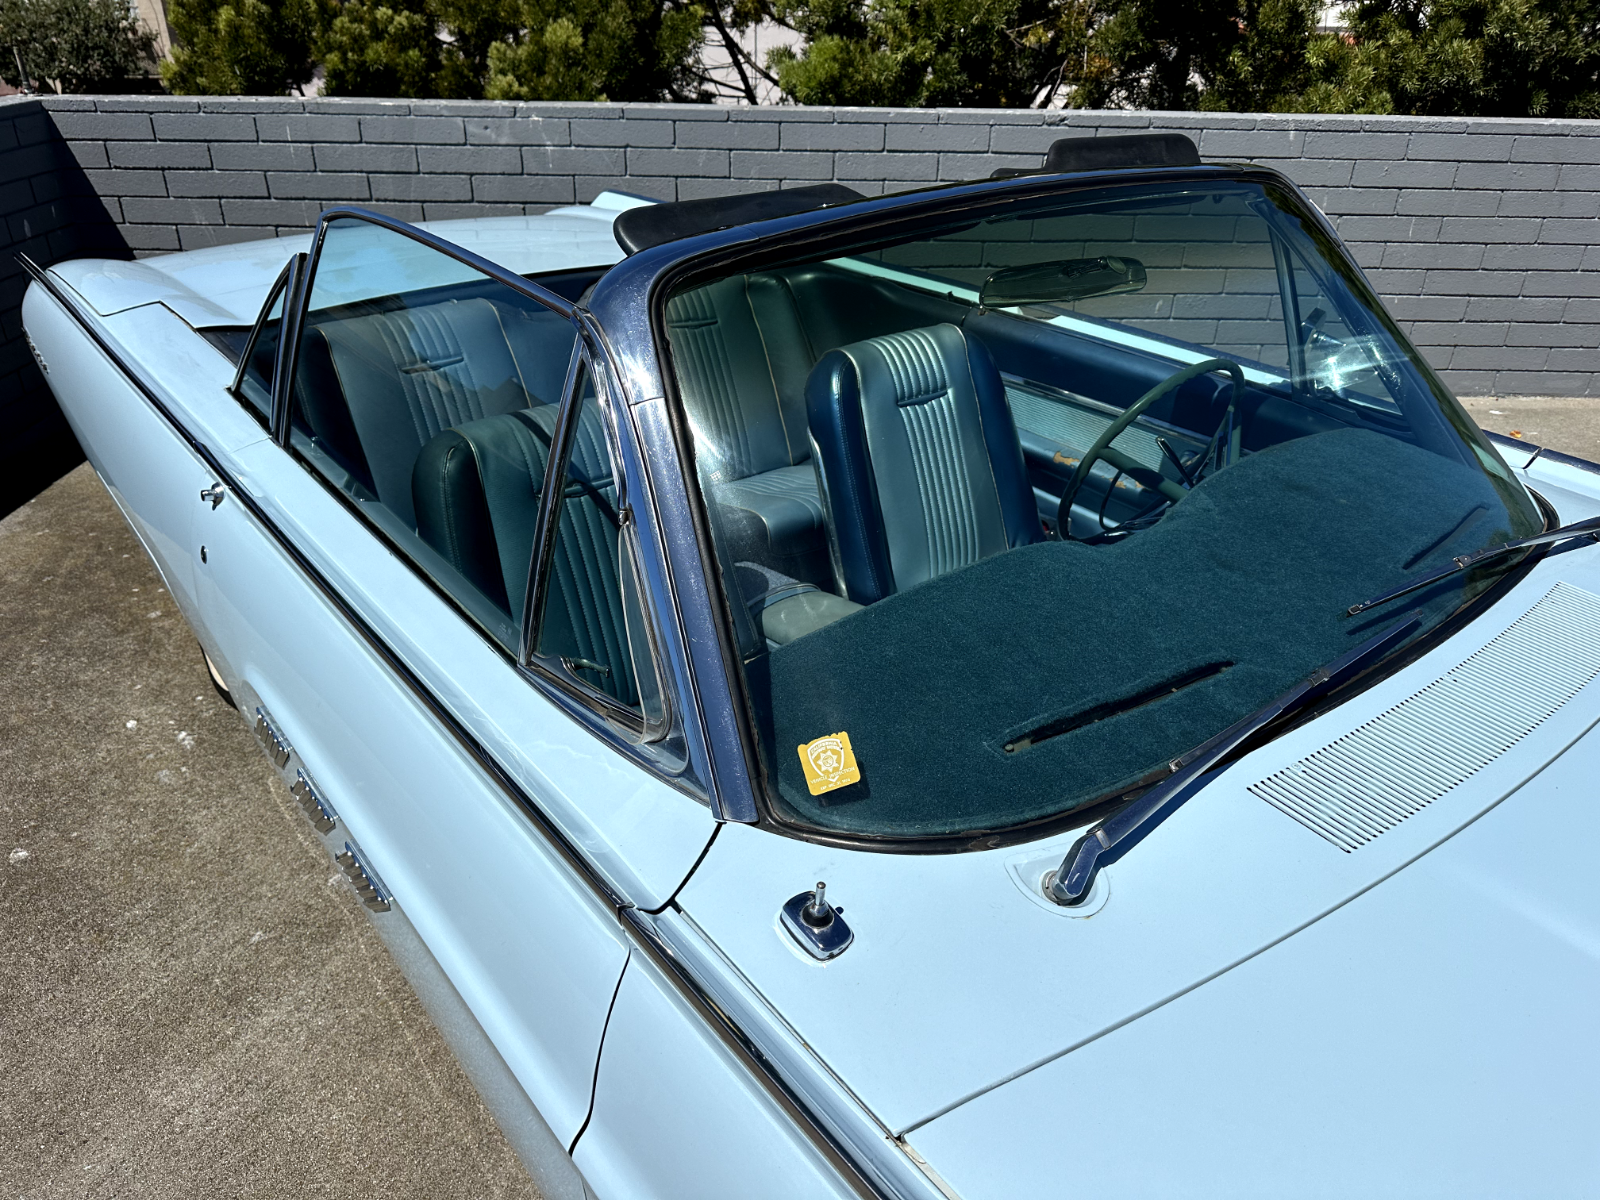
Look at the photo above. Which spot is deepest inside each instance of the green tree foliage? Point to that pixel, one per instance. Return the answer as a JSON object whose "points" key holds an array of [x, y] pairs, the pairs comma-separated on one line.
{"points": [[980, 53], [1241, 55], [598, 50], [381, 50], [514, 49], [1470, 57], [1169, 54], [1492, 58], [73, 45], [242, 47]]}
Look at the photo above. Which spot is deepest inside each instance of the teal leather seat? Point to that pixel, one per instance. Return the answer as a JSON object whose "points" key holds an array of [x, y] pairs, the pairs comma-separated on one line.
{"points": [[476, 492], [373, 389], [919, 459], [742, 357]]}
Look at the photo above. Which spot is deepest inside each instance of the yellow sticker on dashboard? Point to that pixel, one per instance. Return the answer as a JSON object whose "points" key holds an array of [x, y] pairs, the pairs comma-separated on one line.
{"points": [[829, 763]]}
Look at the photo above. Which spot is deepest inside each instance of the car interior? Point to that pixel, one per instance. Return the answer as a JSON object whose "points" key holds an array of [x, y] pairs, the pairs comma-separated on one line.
{"points": [[434, 412]]}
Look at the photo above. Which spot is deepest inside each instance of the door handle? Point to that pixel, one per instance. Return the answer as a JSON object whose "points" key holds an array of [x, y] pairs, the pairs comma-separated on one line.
{"points": [[216, 493]]}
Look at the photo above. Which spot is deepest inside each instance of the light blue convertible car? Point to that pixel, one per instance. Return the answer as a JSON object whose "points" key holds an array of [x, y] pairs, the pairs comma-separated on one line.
{"points": [[1020, 688]]}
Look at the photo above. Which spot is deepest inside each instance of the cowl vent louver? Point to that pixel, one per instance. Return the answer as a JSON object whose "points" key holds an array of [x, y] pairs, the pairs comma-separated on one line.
{"points": [[1376, 776]]}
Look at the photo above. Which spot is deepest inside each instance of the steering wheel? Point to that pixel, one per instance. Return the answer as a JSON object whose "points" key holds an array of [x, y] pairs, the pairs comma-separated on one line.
{"points": [[1136, 470]]}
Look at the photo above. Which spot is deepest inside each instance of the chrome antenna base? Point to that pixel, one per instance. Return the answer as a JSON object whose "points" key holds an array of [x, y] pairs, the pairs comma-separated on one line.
{"points": [[816, 925]]}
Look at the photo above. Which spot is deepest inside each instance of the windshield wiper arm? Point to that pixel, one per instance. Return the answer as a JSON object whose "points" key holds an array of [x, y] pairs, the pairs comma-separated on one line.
{"points": [[1113, 837], [1465, 562]]}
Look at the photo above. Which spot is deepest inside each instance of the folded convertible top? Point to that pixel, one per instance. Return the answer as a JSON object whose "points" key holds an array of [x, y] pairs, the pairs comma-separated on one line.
{"points": [[650, 225]]}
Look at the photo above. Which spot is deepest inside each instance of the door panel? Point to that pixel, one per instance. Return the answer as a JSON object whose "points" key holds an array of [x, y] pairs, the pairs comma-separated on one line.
{"points": [[532, 952]]}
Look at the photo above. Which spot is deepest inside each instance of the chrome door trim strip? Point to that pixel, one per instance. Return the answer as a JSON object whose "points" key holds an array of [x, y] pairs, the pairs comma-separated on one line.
{"points": [[882, 1169], [854, 1166]]}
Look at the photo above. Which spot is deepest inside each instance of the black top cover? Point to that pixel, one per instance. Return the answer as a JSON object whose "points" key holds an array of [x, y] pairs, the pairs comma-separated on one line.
{"points": [[1111, 153], [1125, 150], [640, 228]]}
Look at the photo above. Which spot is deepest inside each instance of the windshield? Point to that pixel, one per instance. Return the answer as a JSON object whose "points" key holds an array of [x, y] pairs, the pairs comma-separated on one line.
{"points": [[937, 646]]}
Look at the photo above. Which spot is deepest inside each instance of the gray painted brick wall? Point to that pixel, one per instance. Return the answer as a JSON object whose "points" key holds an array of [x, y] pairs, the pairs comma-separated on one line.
{"points": [[1483, 236]]}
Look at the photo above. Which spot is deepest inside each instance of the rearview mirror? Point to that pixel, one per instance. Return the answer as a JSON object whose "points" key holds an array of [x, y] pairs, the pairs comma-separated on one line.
{"points": [[1061, 282]]}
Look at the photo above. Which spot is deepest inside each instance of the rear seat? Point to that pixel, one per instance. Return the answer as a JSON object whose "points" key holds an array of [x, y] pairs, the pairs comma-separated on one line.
{"points": [[375, 389], [742, 358], [476, 490]]}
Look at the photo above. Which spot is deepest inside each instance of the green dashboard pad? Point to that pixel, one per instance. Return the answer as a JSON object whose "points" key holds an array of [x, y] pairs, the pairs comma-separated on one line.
{"points": [[1095, 665]]}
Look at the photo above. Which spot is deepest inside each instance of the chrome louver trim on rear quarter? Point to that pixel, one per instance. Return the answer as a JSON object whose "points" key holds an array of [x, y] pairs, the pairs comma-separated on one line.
{"points": [[1377, 775]]}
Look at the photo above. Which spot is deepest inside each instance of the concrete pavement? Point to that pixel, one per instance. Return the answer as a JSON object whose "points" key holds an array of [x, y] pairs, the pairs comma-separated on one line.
{"points": [[1568, 424]]}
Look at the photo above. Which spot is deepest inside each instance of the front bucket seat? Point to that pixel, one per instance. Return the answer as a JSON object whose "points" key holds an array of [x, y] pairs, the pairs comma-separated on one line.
{"points": [[918, 459]]}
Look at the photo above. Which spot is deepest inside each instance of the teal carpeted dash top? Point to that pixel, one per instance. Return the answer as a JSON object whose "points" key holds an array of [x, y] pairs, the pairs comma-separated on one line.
{"points": [[1237, 594]]}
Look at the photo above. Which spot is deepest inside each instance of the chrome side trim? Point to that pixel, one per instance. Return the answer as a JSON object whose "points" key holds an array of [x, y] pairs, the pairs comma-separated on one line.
{"points": [[369, 888], [524, 1127], [271, 740], [397, 666], [312, 802], [859, 1166], [865, 1153], [554, 1173]]}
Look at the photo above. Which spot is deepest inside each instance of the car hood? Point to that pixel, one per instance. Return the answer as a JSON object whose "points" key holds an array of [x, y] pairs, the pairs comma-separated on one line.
{"points": [[1435, 1036], [226, 285], [964, 981]]}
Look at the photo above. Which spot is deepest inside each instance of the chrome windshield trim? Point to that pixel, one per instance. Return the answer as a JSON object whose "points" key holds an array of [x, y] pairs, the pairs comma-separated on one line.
{"points": [[1542, 454], [688, 979], [622, 308]]}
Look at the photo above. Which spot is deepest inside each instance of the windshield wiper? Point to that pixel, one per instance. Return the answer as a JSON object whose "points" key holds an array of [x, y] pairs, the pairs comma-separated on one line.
{"points": [[1110, 839], [1465, 562]]}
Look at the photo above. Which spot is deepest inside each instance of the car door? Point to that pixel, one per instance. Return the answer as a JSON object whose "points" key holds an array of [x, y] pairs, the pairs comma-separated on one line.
{"points": [[377, 610]]}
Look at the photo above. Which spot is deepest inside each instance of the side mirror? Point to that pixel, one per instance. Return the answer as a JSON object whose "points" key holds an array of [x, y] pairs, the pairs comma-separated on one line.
{"points": [[1062, 282]]}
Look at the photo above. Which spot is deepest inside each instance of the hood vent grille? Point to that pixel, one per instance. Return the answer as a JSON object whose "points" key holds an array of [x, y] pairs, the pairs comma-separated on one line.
{"points": [[1376, 776]]}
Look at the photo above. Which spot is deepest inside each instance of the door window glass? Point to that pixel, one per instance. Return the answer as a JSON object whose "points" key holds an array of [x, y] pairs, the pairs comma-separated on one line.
{"points": [[584, 625], [421, 391]]}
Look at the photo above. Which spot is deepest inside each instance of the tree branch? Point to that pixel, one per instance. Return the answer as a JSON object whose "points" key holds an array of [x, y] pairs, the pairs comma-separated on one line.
{"points": [[760, 70], [734, 54]]}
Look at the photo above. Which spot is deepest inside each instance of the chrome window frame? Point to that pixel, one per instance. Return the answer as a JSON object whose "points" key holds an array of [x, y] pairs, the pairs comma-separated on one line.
{"points": [[637, 726], [665, 748], [285, 285]]}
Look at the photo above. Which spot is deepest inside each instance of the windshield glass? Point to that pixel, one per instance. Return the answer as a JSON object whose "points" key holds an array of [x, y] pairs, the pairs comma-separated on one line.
{"points": [[934, 646]]}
